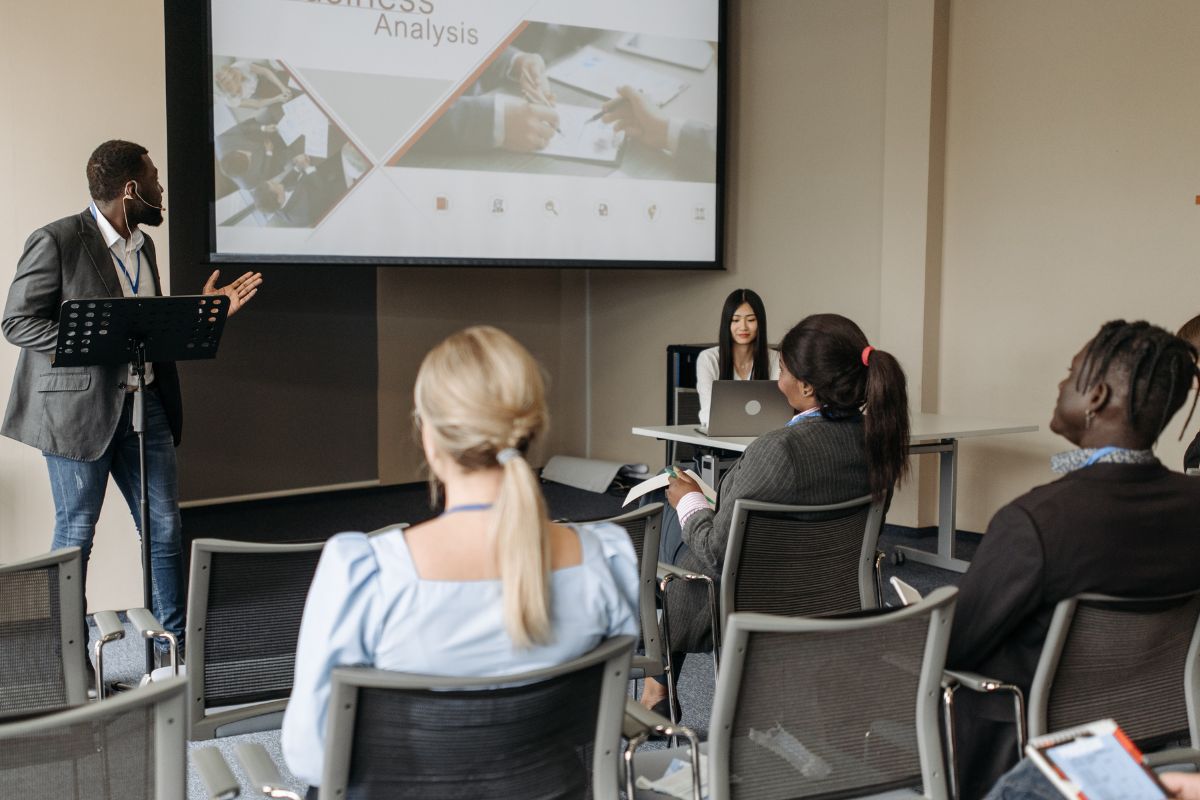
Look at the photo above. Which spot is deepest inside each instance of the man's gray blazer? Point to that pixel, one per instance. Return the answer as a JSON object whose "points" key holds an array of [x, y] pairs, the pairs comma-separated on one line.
{"points": [[71, 411]]}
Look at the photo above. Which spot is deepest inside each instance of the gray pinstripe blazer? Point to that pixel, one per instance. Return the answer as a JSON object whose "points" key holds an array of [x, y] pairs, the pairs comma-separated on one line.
{"points": [[70, 411], [814, 462]]}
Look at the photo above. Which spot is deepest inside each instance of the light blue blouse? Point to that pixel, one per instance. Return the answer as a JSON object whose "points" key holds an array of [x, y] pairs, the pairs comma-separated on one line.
{"points": [[368, 606]]}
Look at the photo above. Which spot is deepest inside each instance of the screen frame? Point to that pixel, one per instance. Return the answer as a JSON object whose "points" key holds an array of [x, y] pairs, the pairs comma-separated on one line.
{"points": [[192, 226]]}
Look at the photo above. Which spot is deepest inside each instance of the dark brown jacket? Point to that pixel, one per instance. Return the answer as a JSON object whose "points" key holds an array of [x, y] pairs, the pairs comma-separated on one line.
{"points": [[1119, 529]]}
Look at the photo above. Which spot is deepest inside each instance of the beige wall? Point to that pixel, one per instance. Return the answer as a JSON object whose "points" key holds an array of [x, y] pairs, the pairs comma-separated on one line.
{"points": [[1071, 179], [59, 103], [418, 308]]}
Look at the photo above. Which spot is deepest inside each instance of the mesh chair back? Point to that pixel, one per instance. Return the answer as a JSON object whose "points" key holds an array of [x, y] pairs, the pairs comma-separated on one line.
{"points": [[835, 707], [801, 560], [548, 735], [245, 603], [130, 747], [1121, 658], [42, 637], [644, 526]]}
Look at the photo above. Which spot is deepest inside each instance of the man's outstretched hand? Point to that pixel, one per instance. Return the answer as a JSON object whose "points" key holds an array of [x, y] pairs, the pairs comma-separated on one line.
{"points": [[239, 291]]}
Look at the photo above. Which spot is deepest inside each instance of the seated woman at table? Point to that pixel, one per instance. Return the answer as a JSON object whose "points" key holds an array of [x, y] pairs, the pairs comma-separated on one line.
{"points": [[1116, 522], [742, 353], [489, 587], [830, 452]]}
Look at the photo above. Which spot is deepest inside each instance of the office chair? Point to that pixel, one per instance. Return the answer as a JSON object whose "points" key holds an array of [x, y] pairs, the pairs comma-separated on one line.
{"points": [[43, 637], [549, 734], [1131, 659], [245, 603], [830, 707], [793, 561]]}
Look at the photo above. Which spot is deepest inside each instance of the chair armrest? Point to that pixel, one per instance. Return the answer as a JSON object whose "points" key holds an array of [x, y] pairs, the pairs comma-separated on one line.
{"points": [[262, 771], [151, 628], [670, 572], [215, 774], [974, 681], [1173, 756], [639, 719], [146, 623], [639, 723], [110, 629], [954, 679], [877, 572], [665, 569], [110, 625]]}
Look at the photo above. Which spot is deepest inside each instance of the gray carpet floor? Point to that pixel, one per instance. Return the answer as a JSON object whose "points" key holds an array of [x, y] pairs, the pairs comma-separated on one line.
{"points": [[124, 661]]}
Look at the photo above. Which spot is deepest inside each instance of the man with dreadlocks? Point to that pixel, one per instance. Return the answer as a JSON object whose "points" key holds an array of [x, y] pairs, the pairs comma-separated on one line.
{"points": [[1190, 333], [1117, 522]]}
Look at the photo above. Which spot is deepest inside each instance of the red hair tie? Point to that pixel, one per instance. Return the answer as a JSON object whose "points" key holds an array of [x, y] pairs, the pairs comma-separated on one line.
{"points": [[866, 354]]}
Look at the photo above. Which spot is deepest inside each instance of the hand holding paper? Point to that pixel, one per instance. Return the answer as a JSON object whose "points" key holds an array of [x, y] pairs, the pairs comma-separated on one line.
{"points": [[663, 478], [679, 485]]}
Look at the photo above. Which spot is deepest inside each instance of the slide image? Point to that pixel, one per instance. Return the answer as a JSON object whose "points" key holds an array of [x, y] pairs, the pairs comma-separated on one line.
{"points": [[281, 161]]}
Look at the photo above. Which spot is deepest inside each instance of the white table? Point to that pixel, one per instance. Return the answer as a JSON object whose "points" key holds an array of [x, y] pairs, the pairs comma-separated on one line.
{"points": [[929, 433]]}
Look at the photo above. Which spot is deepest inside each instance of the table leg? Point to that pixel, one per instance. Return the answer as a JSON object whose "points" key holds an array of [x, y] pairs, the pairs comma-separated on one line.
{"points": [[947, 451]]}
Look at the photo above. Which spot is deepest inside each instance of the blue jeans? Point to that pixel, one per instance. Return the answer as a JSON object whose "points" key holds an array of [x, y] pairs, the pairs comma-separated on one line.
{"points": [[79, 486]]}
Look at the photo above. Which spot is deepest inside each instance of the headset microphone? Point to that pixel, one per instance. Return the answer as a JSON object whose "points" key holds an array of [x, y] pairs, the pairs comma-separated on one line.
{"points": [[139, 197]]}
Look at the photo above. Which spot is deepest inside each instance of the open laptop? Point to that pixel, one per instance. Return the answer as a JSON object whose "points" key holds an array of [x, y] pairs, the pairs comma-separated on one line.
{"points": [[746, 408]]}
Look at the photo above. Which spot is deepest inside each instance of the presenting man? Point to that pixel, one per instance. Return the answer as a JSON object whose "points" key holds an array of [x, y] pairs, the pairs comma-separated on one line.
{"points": [[81, 417]]}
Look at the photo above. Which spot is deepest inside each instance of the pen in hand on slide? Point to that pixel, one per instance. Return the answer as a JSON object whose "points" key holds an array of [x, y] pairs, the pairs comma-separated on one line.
{"points": [[616, 106], [540, 99]]}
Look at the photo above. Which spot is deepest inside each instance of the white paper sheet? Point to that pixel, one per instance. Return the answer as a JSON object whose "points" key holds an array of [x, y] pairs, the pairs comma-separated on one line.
{"points": [[677, 780], [598, 72], [594, 141], [301, 117], [661, 479], [691, 53], [316, 141]]}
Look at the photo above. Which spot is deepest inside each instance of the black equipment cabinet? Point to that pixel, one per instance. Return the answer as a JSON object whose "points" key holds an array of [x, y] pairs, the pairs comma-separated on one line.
{"points": [[683, 405]]}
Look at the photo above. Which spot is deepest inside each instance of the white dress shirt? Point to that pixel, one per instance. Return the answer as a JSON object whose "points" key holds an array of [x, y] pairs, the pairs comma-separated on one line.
{"points": [[131, 269]]}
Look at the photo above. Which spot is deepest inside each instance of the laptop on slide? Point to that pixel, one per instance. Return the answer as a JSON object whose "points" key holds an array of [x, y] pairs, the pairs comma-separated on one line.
{"points": [[746, 408]]}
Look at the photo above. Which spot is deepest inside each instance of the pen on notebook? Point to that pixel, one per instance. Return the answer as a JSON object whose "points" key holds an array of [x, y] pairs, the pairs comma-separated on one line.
{"points": [[540, 99]]}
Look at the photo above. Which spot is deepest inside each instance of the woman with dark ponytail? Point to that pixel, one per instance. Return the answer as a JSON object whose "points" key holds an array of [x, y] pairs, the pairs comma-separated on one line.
{"points": [[847, 377], [849, 438], [489, 587]]}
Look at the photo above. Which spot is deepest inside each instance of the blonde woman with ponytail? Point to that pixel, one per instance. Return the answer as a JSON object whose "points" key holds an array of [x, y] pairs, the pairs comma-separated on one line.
{"points": [[489, 587]]}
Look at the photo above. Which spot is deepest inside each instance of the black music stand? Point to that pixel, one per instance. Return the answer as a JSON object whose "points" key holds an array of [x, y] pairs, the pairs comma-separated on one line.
{"points": [[134, 331]]}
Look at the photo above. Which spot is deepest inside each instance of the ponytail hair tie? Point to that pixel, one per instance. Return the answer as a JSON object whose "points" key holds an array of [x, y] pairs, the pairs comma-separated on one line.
{"points": [[506, 455], [866, 354]]}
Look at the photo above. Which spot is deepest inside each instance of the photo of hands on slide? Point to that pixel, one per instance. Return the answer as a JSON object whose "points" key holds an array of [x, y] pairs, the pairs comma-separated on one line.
{"points": [[280, 160], [582, 101]]}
